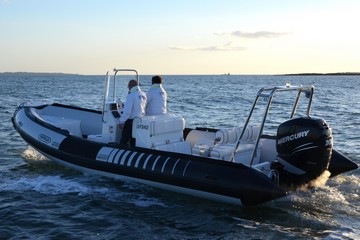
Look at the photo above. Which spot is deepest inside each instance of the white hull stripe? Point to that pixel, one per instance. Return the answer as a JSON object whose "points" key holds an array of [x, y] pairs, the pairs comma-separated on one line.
{"points": [[143, 161], [173, 169], [119, 155], [153, 166], [123, 158], [185, 168], [146, 161], [137, 160], [163, 167], [112, 155]]}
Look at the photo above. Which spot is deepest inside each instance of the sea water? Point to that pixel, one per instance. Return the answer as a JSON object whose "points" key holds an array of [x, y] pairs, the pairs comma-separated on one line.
{"points": [[43, 200]]}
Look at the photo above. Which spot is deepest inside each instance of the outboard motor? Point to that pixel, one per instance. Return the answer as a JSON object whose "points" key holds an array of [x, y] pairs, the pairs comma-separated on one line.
{"points": [[305, 143]]}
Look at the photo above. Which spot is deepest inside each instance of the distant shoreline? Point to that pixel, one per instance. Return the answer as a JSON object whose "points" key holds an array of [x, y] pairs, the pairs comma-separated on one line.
{"points": [[323, 74], [36, 73]]}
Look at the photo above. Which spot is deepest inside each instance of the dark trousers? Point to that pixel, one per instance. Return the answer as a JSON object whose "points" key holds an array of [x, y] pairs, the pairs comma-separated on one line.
{"points": [[127, 133]]}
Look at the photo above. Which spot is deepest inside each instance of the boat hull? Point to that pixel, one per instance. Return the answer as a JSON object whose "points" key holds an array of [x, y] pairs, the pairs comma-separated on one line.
{"points": [[197, 176]]}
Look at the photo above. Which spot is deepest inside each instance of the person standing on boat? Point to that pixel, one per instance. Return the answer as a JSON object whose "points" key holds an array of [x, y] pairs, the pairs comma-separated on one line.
{"points": [[134, 107], [156, 97]]}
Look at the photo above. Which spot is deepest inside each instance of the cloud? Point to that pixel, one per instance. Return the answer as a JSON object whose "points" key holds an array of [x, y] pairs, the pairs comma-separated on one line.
{"points": [[224, 47], [258, 34], [175, 47]]}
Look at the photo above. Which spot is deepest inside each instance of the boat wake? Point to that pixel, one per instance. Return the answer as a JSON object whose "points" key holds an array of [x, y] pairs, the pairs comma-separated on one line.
{"points": [[318, 182], [53, 185], [330, 192], [58, 185], [353, 180]]}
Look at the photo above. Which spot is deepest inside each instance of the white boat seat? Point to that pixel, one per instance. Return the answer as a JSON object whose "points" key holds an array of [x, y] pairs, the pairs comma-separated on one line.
{"points": [[230, 135], [156, 130], [242, 155]]}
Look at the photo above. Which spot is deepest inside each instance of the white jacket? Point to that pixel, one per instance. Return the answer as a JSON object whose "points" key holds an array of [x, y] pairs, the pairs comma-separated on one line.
{"points": [[156, 100], [134, 106]]}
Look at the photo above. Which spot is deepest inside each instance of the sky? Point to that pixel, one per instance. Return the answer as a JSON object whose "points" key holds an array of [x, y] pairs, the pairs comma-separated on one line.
{"points": [[180, 36]]}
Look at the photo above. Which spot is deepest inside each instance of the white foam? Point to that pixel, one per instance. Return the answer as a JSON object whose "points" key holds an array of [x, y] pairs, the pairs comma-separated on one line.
{"points": [[31, 154], [324, 195], [318, 182], [351, 180], [48, 185]]}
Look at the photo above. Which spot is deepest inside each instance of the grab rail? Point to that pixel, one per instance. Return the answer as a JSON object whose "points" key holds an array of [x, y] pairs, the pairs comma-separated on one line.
{"points": [[107, 86], [269, 94], [123, 70]]}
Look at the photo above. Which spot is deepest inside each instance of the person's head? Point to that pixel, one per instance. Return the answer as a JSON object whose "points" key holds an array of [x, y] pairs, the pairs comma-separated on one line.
{"points": [[156, 79], [132, 83]]}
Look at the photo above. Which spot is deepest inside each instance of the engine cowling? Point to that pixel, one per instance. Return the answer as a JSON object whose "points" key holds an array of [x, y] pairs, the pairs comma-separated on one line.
{"points": [[305, 143]]}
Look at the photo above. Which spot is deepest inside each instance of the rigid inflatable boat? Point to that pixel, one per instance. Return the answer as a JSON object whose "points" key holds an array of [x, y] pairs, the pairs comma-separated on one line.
{"points": [[239, 165]]}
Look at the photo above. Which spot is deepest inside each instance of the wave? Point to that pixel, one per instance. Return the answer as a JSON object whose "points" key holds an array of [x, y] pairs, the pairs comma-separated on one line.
{"points": [[53, 185], [88, 186]]}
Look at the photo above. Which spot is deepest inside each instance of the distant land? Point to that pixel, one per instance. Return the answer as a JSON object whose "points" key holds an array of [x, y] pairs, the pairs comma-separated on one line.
{"points": [[324, 74], [36, 73]]}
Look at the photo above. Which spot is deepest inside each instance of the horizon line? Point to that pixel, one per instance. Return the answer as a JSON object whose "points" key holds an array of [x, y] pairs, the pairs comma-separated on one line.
{"points": [[212, 74]]}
